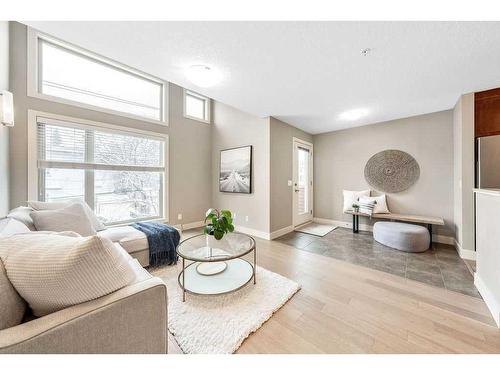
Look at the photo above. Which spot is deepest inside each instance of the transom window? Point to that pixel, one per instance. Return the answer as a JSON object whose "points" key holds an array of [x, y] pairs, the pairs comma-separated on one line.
{"points": [[196, 106], [67, 73], [120, 174]]}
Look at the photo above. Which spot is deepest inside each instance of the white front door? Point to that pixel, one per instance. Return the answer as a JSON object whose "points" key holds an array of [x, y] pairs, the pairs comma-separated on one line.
{"points": [[302, 182]]}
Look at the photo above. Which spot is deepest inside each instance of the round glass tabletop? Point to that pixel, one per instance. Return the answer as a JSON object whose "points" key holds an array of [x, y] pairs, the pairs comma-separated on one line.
{"points": [[205, 248]]}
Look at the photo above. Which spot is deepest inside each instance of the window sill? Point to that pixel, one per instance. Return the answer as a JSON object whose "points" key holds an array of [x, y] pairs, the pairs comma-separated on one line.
{"points": [[197, 119], [128, 222], [73, 103]]}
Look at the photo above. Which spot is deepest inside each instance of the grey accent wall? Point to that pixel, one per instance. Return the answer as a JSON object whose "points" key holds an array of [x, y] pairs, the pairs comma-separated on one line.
{"points": [[463, 171], [282, 135], [4, 131], [234, 128], [340, 158], [189, 161]]}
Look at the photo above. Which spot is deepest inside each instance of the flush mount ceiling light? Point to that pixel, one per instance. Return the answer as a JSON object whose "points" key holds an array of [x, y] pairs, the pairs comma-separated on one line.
{"points": [[353, 114], [202, 75]]}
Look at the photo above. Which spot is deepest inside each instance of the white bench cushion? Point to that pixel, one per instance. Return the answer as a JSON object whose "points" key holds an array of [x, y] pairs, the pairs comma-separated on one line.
{"points": [[128, 237]]}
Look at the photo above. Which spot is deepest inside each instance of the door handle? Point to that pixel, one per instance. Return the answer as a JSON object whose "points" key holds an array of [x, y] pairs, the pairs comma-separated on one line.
{"points": [[296, 190]]}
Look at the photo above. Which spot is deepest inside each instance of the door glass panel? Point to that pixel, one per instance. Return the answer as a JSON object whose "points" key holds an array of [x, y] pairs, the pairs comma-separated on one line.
{"points": [[303, 180]]}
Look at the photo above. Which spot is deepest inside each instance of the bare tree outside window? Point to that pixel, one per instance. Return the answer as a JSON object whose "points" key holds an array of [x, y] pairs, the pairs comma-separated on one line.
{"points": [[130, 194]]}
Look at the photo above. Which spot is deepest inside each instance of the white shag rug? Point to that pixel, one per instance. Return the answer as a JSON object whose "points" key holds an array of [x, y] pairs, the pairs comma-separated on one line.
{"points": [[316, 229], [219, 324]]}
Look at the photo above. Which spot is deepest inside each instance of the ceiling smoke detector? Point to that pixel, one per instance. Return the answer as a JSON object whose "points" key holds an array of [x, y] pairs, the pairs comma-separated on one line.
{"points": [[365, 51]]}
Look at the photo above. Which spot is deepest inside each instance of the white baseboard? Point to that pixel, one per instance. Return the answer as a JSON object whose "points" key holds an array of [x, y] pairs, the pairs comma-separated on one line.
{"points": [[369, 228], [238, 228], [464, 253], [187, 226], [447, 240], [281, 232], [253, 232], [196, 224], [489, 298], [343, 224]]}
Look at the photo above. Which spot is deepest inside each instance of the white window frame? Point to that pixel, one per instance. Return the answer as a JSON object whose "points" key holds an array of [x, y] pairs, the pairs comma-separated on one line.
{"points": [[208, 106], [33, 89], [33, 119]]}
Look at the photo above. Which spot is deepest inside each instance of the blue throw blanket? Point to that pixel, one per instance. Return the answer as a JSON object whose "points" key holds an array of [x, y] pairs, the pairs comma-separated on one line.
{"points": [[162, 240]]}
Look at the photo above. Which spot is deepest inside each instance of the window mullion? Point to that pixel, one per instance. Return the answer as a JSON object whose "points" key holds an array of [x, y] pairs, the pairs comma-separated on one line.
{"points": [[89, 173], [41, 171]]}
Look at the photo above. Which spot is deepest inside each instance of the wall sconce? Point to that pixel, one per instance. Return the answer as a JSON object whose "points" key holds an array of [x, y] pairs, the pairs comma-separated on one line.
{"points": [[6, 108]]}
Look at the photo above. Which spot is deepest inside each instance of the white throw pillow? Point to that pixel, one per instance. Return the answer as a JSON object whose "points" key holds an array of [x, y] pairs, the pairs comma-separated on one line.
{"points": [[352, 196], [380, 203], [72, 218], [22, 214], [43, 206], [140, 274], [366, 205], [52, 272], [9, 227]]}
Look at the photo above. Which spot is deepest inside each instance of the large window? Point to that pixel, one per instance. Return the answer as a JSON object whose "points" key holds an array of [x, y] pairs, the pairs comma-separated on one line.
{"points": [[66, 73], [120, 174], [196, 107]]}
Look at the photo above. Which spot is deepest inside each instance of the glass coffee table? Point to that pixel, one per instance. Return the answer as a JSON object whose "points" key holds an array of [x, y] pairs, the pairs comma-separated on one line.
{"points": [[217, 266]]}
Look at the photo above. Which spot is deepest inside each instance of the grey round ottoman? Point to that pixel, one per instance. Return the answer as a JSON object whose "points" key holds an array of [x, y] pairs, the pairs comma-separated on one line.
{"points": [[402, 236]]}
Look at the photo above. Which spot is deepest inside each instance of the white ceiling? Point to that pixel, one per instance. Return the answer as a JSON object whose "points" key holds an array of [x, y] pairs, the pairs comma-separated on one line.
{"points": [[308, 73]]}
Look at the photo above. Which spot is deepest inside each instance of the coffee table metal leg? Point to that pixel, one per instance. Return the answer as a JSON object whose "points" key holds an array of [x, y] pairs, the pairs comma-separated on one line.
{"points": [[254, 263], [183, 281]]}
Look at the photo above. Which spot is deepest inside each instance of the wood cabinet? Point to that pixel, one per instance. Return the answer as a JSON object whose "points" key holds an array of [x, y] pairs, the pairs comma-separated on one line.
{"points": [[487, 113]]}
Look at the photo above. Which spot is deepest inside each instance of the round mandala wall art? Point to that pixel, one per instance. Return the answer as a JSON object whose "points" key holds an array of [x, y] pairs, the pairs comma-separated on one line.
{"points": [[392, 171]]}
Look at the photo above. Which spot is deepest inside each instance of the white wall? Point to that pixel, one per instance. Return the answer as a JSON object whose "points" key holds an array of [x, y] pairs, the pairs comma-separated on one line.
{"points": [[234, 128], [282, 135], [488, 256], [4, 131], [463, 172], [341, 156]]}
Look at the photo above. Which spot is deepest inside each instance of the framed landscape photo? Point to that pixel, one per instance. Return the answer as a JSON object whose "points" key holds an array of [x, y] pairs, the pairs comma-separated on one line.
{"points": [[235, 170]]}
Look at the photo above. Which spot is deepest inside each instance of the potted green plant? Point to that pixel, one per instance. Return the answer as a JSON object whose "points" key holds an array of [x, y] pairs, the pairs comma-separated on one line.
{"points": [[218, 223], [355, 207]]}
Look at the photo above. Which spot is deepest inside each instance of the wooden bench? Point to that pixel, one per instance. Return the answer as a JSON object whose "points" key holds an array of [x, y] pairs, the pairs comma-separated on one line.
{"points": [[428, 220]]}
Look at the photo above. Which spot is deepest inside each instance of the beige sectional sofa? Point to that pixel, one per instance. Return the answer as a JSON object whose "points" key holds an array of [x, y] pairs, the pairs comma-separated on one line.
{"points": [[130, 320], [131, 239]]}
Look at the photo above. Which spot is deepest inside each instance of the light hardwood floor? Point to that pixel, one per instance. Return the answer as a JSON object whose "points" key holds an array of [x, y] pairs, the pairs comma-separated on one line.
{"points": [[345, 308]]}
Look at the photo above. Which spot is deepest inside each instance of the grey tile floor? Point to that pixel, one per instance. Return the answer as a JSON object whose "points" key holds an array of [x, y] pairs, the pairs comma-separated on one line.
{"points": [[440, 266]]}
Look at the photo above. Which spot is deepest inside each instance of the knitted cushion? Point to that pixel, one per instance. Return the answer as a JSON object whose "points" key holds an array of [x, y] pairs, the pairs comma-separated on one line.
{"points": [[52, 272]]}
